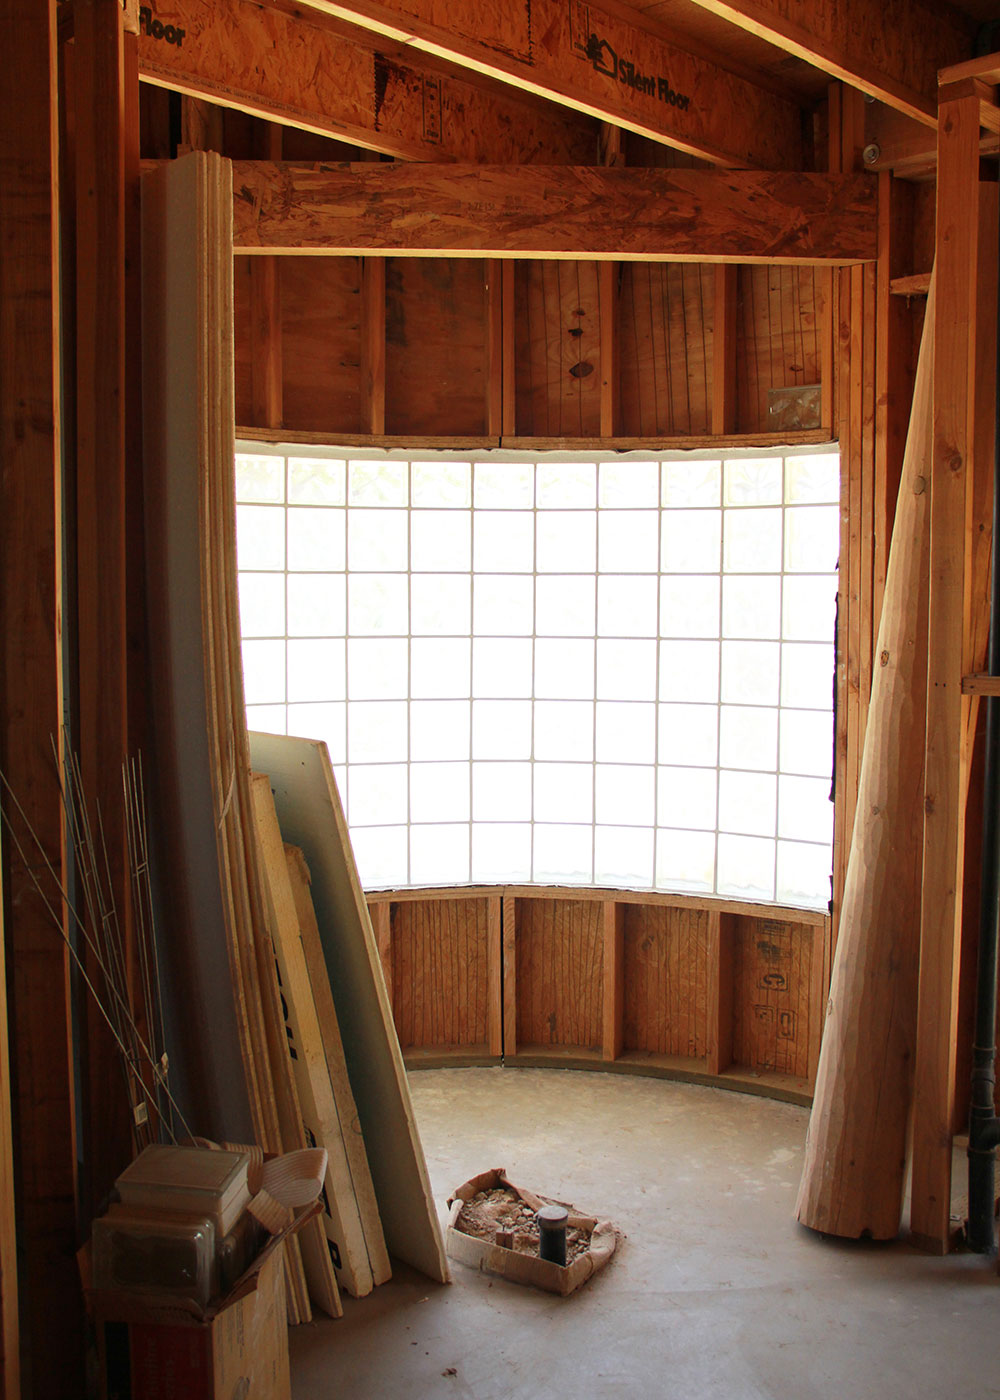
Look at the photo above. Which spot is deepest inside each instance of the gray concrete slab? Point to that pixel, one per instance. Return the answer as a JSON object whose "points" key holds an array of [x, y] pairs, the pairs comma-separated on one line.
{"points": [[716, 1293]]}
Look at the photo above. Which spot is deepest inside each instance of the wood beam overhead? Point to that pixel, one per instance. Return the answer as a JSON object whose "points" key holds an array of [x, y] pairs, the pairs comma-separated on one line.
{"points": [[600, 62], [304, 72], [891, 51], [554, 212]]}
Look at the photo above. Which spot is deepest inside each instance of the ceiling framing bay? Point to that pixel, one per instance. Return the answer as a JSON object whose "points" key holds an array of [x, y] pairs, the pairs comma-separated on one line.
{"points": [[312, 72], [554, 212], [599, 62], [892, 50]]}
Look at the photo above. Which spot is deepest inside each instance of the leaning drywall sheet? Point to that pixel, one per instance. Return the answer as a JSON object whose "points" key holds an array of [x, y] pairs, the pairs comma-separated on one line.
{"points": [[310, 814]]}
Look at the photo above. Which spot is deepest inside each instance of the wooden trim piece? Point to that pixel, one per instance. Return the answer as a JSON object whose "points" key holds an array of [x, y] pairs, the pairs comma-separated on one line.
{"points": [[495, 346], [613, 994], [893, 60], [724, 350], [509, 975], [31, 705], [917, 284], [373, 344], [893, 384], [985, 68], [600, 62], [308, 71], [947, 753], [677, 215], [406, 442], [382, 925], [720, 993], [494, 975]]}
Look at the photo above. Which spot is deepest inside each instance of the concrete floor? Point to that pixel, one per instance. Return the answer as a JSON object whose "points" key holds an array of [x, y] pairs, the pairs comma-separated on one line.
{"points": [[715, 1292]]}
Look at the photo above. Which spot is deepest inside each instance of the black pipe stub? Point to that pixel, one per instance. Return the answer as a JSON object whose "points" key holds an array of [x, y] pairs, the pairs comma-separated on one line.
{"points": [[552, 1222]]}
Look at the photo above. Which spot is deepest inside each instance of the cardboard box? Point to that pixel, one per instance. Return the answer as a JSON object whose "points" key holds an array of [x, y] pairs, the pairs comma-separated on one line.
{"points": [[238, 1351]]}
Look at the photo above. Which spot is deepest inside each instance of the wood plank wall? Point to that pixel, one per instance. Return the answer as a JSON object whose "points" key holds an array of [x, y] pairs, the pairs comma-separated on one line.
{"points": [[706, 990]]}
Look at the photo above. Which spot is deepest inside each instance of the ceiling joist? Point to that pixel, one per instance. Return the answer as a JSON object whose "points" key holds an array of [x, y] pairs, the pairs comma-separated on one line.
{"points": [[599, 63], [303, 71], [554, 212], [891, 50]]}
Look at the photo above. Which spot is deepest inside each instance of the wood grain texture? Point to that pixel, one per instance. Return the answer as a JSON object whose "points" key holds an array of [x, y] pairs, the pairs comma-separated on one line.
{"points": [[557, 349], [554, 211], [509, 954], [441, 973], [305, 70], [613, 992], [948, 741], [772, 1003], [321, 343], [719, 1031], [560, 963], [494, 976], [435, 346], [852, 1179], [667, 980], [891, 52], [724, 349], [779, 314], [40, 1055], [10, 1346], [373, 344], [666, 348], [581, 56]]}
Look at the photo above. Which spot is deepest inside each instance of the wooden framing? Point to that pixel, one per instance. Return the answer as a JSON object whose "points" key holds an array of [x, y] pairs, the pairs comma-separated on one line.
{"points": [[953, 471], [38, 1071], [569, 212], [330, 78], [602, 61], [893, 55]]}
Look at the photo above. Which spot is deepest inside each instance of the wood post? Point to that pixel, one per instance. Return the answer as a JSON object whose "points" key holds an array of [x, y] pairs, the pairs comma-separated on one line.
{"points": [[39, 1068], [724, 350], [509, 976], [852, 1180], [948, 747], [494, 976], [613, 1001], [607, 286], [373, 345]]}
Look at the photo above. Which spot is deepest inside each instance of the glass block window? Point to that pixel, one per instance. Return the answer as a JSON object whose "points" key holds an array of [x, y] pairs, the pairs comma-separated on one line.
{"points": [[610, 672]]}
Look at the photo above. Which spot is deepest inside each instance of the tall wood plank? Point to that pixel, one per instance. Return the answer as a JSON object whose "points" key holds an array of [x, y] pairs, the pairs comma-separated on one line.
{"points": [[494, 974], [373, 345], [601, 61], [10, 1357], [719, 1029], [102, 487], [31, 699], [554, 211], [724, 350], [509, 917], [608, 282], [613, 998], [947, 751]]}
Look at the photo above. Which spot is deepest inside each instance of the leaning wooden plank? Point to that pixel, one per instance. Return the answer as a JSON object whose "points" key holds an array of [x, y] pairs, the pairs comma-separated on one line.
{"points": [[333, 1045], [342, 1218], [309, 811], [477, 211], [855, 1158]]}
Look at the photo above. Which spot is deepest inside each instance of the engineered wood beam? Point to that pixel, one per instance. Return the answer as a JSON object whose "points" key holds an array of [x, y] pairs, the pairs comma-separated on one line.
{"points": [[308, 71], [892, 52], [39, 1063], [602, 62], [554, 212], [947, 748]]}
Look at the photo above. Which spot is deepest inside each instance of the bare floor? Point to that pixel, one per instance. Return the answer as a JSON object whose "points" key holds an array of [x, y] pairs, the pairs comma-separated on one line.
{"points": [[715, 1291]]}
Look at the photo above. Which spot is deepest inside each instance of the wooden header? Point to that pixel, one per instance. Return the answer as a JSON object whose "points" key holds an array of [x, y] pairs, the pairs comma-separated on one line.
{"points": [[320, 75], [554, 212], [604, 62]]}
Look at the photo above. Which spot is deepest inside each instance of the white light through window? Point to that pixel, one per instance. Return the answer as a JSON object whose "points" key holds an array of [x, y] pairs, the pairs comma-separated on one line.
{"points": [[598, 672]]}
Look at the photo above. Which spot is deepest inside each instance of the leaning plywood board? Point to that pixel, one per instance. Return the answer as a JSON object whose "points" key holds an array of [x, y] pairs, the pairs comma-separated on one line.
{"points": [[329, 1027], [347, 1232], [309, 811]]}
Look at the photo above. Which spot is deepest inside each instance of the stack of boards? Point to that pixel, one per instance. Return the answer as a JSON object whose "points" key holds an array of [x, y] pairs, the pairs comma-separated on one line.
{"points": [[329, 1072]]}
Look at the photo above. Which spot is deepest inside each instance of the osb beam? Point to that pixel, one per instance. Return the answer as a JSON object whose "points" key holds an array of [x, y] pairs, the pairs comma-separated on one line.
{"points": [[554, 212], [599, 62], [305, 72], [39, 1062], [891, 51]]}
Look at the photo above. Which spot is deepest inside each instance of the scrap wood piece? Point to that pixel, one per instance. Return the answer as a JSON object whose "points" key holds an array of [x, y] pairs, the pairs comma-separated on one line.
{"points": [[349, 1239], [333, 1045], [311, 817]]}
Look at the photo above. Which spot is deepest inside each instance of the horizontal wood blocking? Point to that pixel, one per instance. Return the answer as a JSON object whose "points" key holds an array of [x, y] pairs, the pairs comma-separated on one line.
{"points": [[709, 990], [311, 72], [554, 212], [608, 63]]}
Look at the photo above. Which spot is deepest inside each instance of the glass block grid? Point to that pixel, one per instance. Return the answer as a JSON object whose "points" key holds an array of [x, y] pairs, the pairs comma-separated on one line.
{"points": [[610, 672]]}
